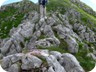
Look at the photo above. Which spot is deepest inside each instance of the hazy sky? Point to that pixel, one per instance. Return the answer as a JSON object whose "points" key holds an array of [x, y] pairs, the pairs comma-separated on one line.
{"points": [[3, 2], [91, 3]]}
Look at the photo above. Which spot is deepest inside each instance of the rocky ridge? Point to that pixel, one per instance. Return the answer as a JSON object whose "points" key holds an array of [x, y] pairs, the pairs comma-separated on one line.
{"points": [[29, 47]]}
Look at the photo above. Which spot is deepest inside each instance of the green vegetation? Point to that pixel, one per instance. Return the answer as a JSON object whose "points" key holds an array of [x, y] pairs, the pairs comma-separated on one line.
{"points": [[43, 60], [56, 5], [42, 36], [12, 16], [63, 6], [85, 8], [25, 50], [86, 16], [9, 19], [52, 48], [86, 62]]}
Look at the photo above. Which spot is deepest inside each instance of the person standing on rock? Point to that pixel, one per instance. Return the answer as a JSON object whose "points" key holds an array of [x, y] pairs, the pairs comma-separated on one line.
{"points": [[42, 5]]}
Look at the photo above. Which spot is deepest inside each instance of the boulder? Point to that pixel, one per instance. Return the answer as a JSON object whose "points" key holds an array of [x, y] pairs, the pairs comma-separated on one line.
{"points": [[16, 57], [70, 63], [27, 29], [30, 61], [6, 62], [51, 21], [48, 42], [53, 63], [48, 31], [51, 69], [56, 54], [84, 32], [6, 46], [14, 68], [69, 37], [31, 44]]}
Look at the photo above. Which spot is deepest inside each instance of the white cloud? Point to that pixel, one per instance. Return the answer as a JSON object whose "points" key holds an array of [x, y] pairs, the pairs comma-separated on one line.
{"points": [[93, 4], [2, 1], [93, 1]]}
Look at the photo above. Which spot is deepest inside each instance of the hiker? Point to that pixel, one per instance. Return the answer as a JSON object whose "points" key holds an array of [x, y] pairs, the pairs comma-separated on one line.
{"points": [[42, 5]]}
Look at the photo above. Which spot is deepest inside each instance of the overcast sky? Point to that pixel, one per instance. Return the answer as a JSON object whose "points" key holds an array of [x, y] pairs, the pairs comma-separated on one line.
{"points": [[91, 3], [3, 2]]}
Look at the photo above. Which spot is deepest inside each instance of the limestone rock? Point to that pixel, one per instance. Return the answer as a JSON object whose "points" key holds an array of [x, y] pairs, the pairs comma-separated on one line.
{"points": [[14, 68], [48, 31], [52, 61], [69, 36], [70, 63], [29, 62], [6, 62], [56, 54], [27, 29], [47, 42]]}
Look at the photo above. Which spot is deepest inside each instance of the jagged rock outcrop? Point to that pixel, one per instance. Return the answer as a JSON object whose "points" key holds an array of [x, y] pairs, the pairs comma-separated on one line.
{"points": [[56, 44], [84, 32], [70, 63], [24, 36], [40, 60], [69, 36], [25, 30]]}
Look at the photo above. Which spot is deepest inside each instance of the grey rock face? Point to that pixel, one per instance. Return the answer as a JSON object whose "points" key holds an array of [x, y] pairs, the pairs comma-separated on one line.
{"points": [[13, 45], [53, 63], [1, 56], [51, 21], [36, 59], [51, 69], [72, 44], [17, 36], [70, 63], [84, 32], [28, 35], [0, 42], [5, 48], [16, 57], [12, 31], [48, 42], [56, 54], [6, 62], [69, 36], [14, 68], [31, 44], [27, 29], [48, 31], [29, 62], [9, 60], [91, 55], [43, 43]]}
